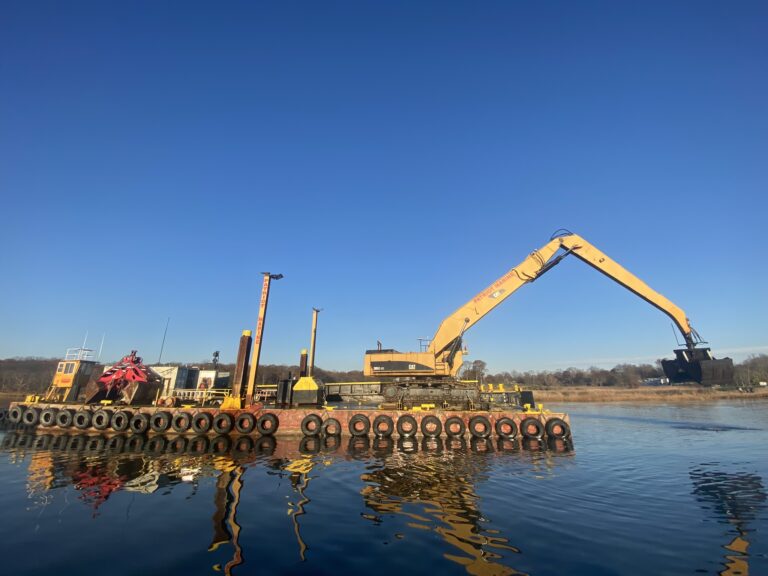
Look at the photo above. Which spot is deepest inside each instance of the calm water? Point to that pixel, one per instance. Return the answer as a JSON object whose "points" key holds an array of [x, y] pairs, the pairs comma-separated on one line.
{"points": [[645, 489]]}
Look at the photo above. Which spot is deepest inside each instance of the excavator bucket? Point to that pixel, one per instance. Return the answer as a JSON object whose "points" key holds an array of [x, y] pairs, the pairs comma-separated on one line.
{"points": [[127, 382], [698, 365]]}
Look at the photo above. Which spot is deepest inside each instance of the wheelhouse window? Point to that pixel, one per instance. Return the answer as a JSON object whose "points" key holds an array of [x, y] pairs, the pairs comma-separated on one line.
{"points": [[69, 368]]}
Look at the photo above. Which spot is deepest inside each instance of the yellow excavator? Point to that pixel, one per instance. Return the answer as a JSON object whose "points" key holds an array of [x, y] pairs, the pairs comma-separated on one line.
{"points": [[439, 363]]}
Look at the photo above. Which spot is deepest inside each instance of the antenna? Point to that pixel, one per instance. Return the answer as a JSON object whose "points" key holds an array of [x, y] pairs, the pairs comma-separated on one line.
{"points": [[163, 344], [101, 346], [85, 340]]}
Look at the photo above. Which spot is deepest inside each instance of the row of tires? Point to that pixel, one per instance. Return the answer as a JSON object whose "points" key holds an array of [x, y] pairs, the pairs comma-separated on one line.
{"points": [[383, 426], [141, 422]]}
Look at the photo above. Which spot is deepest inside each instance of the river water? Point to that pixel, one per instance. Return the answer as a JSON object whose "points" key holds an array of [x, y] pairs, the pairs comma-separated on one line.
{"points": [[643, 489]]}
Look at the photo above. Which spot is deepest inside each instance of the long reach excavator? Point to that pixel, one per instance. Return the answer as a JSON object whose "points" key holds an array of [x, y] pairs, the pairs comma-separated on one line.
{"points": [[431, 374]]}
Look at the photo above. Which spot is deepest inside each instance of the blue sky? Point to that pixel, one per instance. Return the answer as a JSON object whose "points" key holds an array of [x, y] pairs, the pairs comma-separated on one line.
{"points": [[391, 160]]}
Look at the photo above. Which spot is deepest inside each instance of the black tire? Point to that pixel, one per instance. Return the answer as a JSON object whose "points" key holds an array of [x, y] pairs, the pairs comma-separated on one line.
{"points": [[223, 423], [407, 426], [160, 421], [198, 445], [383, 426], [155, 445], [64, 418], [202, 422], [181, 422], [331, 428], [267, 424], [431, 427], [121, 420], [359, 425], [531, 429], [139, 423], [245, 423], [48, 417], [3, 415], [311, 425], [506, 428], [31, 416], [220, 445], [557, 428], [102, 419], [177, 446], [455, 427], [15, 414], [82, 419], [479, 427]]}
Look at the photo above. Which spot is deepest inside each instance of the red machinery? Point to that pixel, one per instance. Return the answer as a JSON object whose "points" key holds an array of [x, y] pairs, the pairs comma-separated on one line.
{"points": [[128, 382]]}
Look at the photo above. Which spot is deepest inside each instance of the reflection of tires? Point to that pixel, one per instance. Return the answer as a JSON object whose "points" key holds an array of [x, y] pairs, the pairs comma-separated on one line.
{"points": [[454, 426], [358, 445], [116, 443], [121, 420], [265, 446], [60, 442], [9, 440], [77, 443], [220, 445], [82, 419], [383, 426], [406, 426], [222, 423], [331, 443], [42, 442], [504, 445], [456, 444], [557, 428], [139, 423], [95, 444], [31, 416], [433, 445], [531, 429], [267, 424], [383, 446], [3, 415], [243, 445], [407, 445], [331, 427], [506, 428], [102, 419], [181, 421], [479, 427], [177, 446], [311, 425], [134, 443], [480, 445], [198, 445], [431, 427], [202, 422], [64, 418], [245, 423], [155, 445], [309, 445], [359, 425], [160, 421]]}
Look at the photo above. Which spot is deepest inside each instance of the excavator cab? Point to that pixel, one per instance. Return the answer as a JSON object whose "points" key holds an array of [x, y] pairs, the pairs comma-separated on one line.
{"points": [[698, 365]]}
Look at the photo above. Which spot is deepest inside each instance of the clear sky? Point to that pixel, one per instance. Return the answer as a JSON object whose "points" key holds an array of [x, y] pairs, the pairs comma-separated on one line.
{"points": [[391, 159]]}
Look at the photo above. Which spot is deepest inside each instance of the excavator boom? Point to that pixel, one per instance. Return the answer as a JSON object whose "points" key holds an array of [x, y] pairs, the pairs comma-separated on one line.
{"points": [[443, 358]]}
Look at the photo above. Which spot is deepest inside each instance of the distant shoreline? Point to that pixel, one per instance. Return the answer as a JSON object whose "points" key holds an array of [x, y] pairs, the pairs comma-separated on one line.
{"points": [[644, 394]]}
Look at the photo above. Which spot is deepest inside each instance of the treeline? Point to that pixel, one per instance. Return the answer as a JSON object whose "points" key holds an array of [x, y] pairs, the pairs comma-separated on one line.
{"points": [[33, 375]]}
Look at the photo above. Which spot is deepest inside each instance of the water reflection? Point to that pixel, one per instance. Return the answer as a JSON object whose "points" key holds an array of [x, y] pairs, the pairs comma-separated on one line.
{"points": [[734, 498], [431, 482]]}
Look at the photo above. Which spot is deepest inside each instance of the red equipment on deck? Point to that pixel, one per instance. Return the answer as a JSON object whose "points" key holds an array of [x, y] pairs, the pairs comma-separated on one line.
{"points": [[128, 382]]}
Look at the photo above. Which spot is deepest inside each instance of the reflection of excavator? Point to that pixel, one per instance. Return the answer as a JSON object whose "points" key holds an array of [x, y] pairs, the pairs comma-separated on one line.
{"points": [[440, 362]]}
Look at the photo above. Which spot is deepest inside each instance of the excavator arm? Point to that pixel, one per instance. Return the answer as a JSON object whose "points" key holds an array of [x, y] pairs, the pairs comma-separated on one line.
{"points": [[443, 358]]}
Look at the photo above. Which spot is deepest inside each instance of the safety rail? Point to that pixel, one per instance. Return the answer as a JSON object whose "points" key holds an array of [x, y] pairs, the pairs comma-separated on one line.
{"points": [[202, 396], [79, 354]]}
